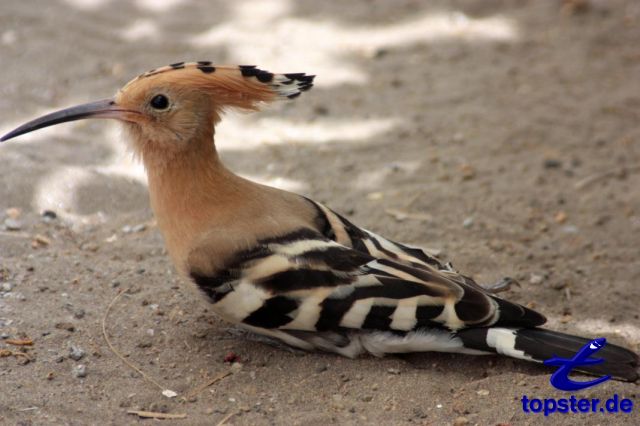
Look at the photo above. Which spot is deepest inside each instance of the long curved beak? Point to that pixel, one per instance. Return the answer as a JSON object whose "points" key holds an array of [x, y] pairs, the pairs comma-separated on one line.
{"points": [[104, 108]]}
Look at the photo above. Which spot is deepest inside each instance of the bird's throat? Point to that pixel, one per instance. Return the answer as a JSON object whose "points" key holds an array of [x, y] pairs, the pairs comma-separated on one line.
{"points": [[190, 195]]}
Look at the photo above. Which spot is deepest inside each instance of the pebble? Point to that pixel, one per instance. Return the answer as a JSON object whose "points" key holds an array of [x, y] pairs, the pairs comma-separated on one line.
{"points": [[321, 368], [65, 326], [468, 222], [145, 343], [570, 229], [536, 279], [80, 371], [129, 229], [6, 287], [139, 228], [76, 353], [551, 163], [79, 313], [49, 215], [12, 224], [460, 421], [483, 392], [93, 247]]}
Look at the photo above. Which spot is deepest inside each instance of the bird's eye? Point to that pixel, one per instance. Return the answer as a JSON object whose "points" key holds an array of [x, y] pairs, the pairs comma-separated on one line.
{"points": [[159, 102]]}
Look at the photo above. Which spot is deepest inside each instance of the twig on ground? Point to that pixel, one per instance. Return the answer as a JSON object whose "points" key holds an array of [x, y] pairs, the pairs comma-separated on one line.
{"points": [[202, 387], [155, 415], [589, 180], [19, 342], [226, 418], [122, 358]]}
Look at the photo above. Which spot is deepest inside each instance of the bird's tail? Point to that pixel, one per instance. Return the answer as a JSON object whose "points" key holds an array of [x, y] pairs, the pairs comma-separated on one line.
{"points": [[537, 344]]}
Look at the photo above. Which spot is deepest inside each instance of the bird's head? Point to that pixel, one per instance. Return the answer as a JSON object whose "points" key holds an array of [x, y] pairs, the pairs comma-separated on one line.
{"points": [[169, 108]]}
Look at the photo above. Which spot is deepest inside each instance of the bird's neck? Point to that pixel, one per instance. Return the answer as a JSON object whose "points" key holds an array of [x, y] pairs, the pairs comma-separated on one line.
{"points": [[190, 194], [206, 213]]}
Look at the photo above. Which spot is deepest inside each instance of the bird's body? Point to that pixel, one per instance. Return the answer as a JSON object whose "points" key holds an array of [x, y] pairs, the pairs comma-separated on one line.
{"points": [[287, 267]]}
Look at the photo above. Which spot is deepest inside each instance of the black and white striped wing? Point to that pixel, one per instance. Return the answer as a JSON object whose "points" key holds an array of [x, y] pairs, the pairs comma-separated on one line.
{"points": [[306, 282]]}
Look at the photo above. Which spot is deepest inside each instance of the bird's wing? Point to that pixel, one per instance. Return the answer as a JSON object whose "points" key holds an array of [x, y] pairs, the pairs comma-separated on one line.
{"points": [[304, 281], [338, 228]]}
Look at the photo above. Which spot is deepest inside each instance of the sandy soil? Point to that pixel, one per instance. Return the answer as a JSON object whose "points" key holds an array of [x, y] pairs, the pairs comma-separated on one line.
{"points": [[502, 133]]}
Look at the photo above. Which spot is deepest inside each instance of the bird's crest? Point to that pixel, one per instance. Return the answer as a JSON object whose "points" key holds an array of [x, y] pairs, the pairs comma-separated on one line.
{"points": [[243, 86]]}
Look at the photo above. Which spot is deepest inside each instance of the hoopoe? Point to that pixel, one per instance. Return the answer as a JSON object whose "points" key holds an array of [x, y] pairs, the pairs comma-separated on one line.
{"points": [[285, 266]]}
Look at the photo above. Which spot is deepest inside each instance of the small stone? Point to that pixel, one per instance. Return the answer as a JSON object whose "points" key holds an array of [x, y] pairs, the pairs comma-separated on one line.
{"points": [[536, 279], [468, 222], [76, 353], [145, 343], [169, 393], [483, 392], [12, 224], [6, 287], [367, 398], [393, 371], [139, 228], [560, 217], [80, 371], [92, 247], [322, 368], [65, 326], [460, 421], [551, 163], [419, 413], [49, 215], [236, 367], [468, 172], [115, 283], [79, 313]]}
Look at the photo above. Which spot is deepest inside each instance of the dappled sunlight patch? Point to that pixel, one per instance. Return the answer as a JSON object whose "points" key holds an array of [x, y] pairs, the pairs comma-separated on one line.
{"points": [[87, 4], [159, 6], [139, 30], [238, 132], [57, 192], [277, 182], [595, 327], [321, 45]]}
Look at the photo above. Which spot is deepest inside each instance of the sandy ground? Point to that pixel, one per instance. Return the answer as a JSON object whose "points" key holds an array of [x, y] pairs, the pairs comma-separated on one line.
{"points": [[502, 133]]}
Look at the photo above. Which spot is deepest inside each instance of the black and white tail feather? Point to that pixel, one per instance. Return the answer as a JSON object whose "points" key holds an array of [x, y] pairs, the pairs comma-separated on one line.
{"points": [[340, 288]]}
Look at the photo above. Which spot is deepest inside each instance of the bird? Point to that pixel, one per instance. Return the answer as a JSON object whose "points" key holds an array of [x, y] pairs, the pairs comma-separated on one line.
{"points": [[287, 267]]}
